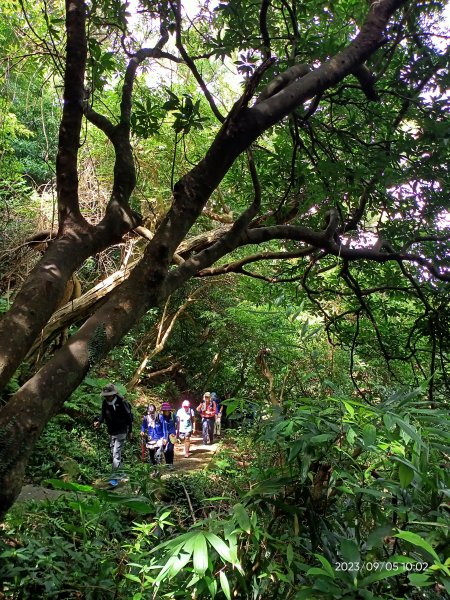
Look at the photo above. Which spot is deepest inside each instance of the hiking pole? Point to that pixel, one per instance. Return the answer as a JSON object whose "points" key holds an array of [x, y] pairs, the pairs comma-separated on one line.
{"points": [[99, 460], [142, 449]]}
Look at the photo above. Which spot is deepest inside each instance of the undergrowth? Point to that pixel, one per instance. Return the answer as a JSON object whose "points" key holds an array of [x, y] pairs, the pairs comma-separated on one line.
{"points": [[327, 498]]}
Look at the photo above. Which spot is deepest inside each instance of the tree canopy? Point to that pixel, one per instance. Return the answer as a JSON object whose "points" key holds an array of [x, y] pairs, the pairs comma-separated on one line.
{"points": [[302, 143]]}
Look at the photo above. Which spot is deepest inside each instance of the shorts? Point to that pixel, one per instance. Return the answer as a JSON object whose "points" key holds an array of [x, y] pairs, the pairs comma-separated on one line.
{"points": [[186, 435], [153, 444]]}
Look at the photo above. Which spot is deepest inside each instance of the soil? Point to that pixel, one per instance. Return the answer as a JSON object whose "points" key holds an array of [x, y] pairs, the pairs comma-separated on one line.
{"points": [[200, 455]]}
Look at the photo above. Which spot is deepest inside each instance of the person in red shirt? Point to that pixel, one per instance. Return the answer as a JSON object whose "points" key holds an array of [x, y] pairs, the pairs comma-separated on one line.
{"points": [[207, 410]]}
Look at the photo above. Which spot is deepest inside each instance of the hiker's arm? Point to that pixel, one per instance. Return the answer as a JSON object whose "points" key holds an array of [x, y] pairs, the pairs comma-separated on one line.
{"points": [[99, 420], [165, 430]]}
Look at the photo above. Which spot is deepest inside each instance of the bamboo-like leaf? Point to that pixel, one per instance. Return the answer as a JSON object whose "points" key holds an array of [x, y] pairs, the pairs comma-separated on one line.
{"points": [[416, 540], [224, 584], [241, 514], [219, 545], [200, 554]]}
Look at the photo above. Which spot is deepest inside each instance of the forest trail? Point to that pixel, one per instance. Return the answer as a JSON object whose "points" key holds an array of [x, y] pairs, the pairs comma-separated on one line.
{"points": [[200, 457]]}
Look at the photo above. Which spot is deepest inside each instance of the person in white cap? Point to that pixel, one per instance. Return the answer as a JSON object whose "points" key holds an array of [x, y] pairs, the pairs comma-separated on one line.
{"points": [[185, 425], [116, 413]]}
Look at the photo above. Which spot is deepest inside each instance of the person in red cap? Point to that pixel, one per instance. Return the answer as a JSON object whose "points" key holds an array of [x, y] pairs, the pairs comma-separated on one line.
{"points": [[185, 425]]}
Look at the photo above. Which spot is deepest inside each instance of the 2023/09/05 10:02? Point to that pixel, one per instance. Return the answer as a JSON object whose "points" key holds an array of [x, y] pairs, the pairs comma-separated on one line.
{"points": [[415, 567]]}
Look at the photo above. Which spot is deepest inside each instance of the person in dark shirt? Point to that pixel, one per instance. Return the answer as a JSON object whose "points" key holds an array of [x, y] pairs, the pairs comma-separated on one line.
{"points": [[116, 413]]}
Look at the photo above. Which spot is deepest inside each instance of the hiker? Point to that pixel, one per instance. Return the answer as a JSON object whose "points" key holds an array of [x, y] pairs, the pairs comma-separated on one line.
{"points": [[207, 409], [219, 412], [185, 425], [116, 413], [153, 429], [169, 427]]}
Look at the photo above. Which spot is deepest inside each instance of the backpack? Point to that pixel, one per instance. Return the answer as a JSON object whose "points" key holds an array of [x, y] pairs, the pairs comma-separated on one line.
{"points": [[127, 407]]}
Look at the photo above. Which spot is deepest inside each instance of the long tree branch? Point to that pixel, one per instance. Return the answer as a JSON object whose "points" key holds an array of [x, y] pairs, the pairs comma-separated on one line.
{"points": [[69, 131], [190, 63]]}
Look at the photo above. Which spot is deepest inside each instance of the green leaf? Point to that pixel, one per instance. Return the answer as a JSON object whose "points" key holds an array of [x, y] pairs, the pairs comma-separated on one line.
{"points": [[241, 514], [350, 551], [132, 577], [317, 571], [409, 430], [70, 486], [200, 554], [416, 540], [322, 437], [406, 475], [369, 434], [178, 564], [349, 408], [375, 538], [225, 585], [289, 554], [326, 565], [219, 545], [382, 574], [420, 580]]}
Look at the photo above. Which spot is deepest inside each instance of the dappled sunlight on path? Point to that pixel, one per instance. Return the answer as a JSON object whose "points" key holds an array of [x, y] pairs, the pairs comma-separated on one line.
{"points": [[200, 455]]}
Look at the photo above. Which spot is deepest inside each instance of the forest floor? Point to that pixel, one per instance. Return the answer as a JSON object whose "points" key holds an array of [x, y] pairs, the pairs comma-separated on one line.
{"points": [[200, 457]]}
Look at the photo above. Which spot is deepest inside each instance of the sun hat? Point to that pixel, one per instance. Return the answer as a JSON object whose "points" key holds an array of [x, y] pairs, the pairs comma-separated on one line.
{"points": [[207, 394], [110, 390], [165, 406], [186, 404]]}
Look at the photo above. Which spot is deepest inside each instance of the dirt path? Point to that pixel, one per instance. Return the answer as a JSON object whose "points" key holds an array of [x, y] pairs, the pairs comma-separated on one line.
{"points": [[200, 457]]}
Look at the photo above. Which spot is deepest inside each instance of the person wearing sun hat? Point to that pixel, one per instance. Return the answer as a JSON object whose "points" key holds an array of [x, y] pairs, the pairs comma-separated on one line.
{"points": [[169, 432], [185, 425], [116, 413]]}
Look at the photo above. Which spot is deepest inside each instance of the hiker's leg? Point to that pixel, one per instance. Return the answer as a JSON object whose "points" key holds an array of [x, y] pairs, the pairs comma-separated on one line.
{"points": [[119, 441], [151, 456], [187, 444], [112, 440], [211, 430], [158, 455], [168, 453]]}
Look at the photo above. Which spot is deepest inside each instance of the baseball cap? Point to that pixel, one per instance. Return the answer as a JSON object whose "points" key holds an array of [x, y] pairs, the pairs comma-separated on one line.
{"points": [[165, 406], [186, 403]]}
